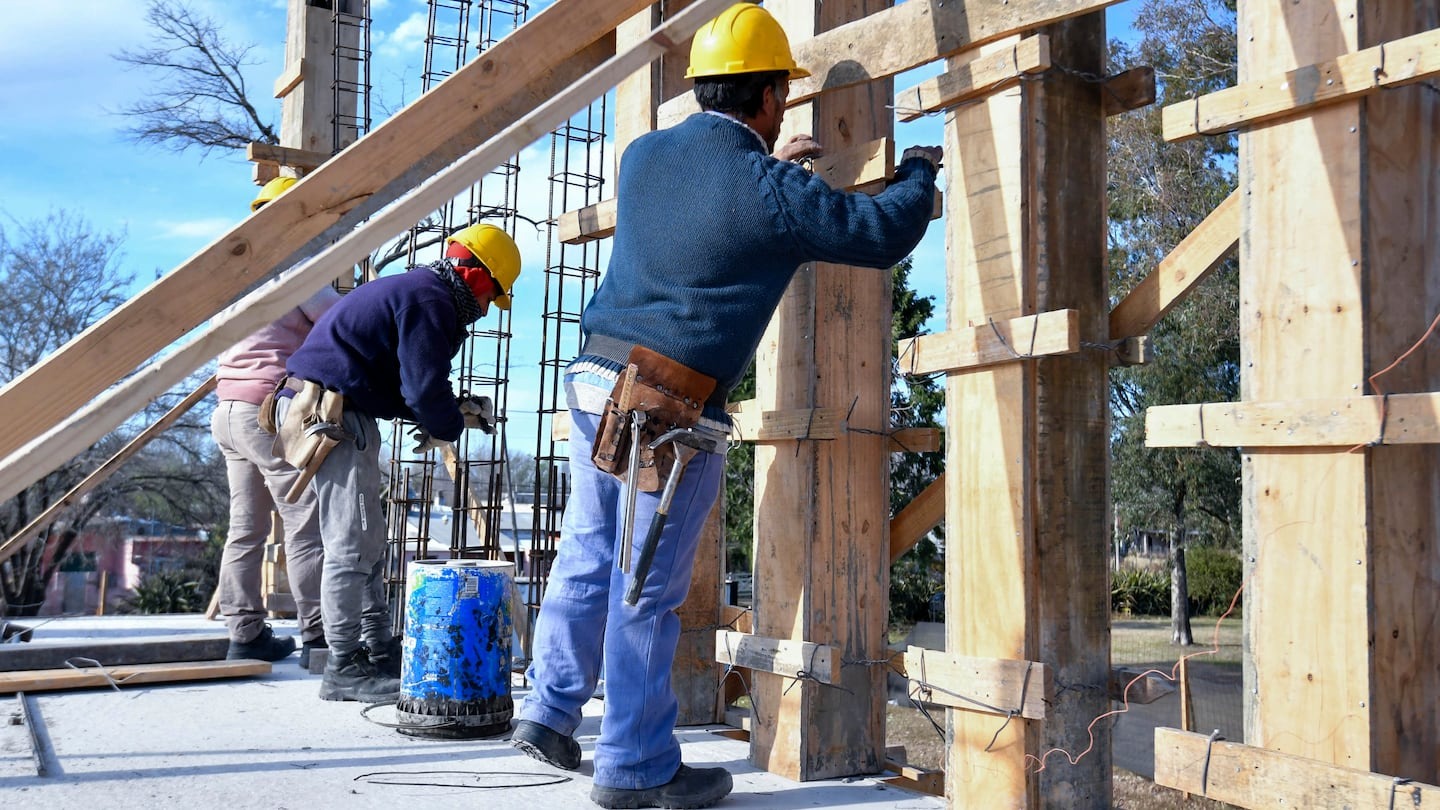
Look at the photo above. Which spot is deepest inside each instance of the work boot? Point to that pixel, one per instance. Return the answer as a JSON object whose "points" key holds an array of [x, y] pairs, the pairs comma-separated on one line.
{"points": [[264, 647], [387, 657], [691, 787], [305, 651], [352, 676], [541, 742]]}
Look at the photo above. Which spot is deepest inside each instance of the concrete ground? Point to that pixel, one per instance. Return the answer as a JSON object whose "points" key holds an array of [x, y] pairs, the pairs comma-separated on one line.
{"points": [[270, 742], [1217, 702]]}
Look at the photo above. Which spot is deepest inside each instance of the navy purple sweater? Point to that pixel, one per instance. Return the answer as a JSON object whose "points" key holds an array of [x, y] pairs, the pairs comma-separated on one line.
{"points": [[387, 347], [709, 231]]}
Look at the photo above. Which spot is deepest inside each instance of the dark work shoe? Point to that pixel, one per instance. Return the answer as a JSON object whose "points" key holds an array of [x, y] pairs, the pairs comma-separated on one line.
{"points": [[386, 657], [352, 676], [305, 649], [691, 787], [541, 742], [264, 647]]}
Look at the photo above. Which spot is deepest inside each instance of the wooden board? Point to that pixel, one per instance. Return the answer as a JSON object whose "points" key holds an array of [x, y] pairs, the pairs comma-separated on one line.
{"points": [[151, 650], [792, 659], [817, 424], [990, 685], [45, 680], [525, 70], [971, 347], [998, 67], [1394, 64], [1191, 262], [923, 513], [916, 440], [270, 301], [1129, 90], [894, 40], [1252, 777], [1345, 422]]}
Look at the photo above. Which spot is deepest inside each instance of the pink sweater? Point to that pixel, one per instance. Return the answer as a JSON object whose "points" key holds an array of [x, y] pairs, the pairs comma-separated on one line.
{"points": [[249, 369]]}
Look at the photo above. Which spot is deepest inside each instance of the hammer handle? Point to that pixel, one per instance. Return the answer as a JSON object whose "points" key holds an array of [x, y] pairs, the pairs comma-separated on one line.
{"points": [[647, 555]]}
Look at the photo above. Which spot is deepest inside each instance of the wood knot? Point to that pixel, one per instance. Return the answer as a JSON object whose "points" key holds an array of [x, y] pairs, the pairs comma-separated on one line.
{"points": [[240, 249], [488, 66]]}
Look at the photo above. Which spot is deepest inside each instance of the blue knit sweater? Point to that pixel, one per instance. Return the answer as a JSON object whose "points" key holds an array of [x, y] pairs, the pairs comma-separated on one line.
{"points": [[709, 231], [387, 347]]}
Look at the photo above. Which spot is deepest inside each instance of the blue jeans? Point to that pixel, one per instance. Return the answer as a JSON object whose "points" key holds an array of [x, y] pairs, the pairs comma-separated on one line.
{"points": [[583, 612]]}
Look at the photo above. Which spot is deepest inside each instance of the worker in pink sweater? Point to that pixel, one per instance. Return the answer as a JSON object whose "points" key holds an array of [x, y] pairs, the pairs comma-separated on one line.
{"points": [[259, 480]]}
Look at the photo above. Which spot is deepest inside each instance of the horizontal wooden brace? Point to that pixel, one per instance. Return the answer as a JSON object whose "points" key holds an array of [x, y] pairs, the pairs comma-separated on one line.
{"points": [[290, 79], [1340, 422], [754, 425], [913, 778], [1392, 64], [1191, 262], [1247, 776], [899, 38], [778, 656], [854, 167], [1129, 90], [958, 350], [302, 159], [990, 685], [915, 440], [968, 81], [1150, 688]]}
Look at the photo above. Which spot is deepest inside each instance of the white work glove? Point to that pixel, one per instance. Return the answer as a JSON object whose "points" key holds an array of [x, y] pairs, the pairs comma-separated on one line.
{"points": [[424, 442], [934, 154], [479, 412]]}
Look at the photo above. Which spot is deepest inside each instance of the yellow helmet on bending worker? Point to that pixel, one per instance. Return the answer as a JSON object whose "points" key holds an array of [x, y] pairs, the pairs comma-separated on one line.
{"points": [[271, 190], [495, 249], [743, 39]]}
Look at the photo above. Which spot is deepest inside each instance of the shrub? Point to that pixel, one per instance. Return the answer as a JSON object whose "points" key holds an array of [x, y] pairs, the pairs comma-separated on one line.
{"points": [[1140, 593], [165, 591], [1213, 577]]}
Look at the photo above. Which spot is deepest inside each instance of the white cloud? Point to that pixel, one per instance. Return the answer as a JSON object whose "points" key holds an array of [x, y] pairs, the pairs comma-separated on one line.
{"points": [[407, 38], [193, 229]]}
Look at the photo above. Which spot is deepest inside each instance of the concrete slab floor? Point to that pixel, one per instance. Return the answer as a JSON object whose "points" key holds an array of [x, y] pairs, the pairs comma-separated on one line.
{"points": [[270, 742]]}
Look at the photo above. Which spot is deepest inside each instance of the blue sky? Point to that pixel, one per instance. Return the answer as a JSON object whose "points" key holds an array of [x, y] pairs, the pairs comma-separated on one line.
{"points": [[63, 148]]}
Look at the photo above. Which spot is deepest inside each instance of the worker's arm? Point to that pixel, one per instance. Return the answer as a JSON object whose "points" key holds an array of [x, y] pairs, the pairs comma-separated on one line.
{"points": [[426, 343]]}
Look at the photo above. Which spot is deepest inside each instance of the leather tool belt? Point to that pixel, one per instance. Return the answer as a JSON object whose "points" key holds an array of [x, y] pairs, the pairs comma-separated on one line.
{"points": [[265, 417], [669, 394], [312, 428]]}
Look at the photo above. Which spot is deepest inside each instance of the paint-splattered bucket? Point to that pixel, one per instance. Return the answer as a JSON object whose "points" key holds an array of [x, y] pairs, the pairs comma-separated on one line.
{"points": [[455, 671]]}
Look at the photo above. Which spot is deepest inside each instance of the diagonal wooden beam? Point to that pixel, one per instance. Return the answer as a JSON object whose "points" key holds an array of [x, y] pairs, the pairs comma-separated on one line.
{"points": [[924, 512], [104, 471], [1190, 263], [88, 424], [520, 73], [964, 82], [903, 37], [1393, 64]]}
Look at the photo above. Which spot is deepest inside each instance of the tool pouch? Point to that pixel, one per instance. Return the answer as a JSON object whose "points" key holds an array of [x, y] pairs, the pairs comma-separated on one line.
{"points": [[265, 417], [670, 394], [311, 429]]}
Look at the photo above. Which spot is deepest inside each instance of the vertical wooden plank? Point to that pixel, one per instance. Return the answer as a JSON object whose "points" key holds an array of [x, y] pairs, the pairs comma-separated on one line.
{"points": [[822, 512], [1401, 211], [990, 608], [306, 110], [1301, 184], [1026, 566]]}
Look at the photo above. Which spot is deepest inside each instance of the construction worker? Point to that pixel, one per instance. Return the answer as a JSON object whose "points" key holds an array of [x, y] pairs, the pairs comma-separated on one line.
{"points": [[711, 227], [259, 480], [383, 352]]}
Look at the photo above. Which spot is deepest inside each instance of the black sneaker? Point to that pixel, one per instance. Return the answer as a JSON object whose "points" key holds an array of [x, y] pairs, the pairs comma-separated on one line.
{"points": [[264, 647], [386, 657], [352, 676], [691, 787], [305, 649], [539, 741]]}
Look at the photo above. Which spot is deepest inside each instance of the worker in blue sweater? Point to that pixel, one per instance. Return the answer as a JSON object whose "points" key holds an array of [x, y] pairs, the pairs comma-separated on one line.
{"points": [[710, 229], [382, 352]]}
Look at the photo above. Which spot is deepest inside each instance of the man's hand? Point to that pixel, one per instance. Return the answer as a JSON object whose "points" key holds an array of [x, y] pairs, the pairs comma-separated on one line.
{"points": [[799, 147], [479, 412], [934, 154], [424, 442]]}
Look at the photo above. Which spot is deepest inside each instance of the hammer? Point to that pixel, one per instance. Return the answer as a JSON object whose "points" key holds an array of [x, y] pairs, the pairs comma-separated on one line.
{"points": [[688, 442]]}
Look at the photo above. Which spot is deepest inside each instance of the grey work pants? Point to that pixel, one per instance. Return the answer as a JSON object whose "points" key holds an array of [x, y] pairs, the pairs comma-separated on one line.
{"points": [[258, 483], [352, 523]]}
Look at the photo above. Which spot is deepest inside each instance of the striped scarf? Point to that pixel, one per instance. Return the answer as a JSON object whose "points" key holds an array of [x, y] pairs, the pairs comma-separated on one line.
{"points": [[465, 304]]}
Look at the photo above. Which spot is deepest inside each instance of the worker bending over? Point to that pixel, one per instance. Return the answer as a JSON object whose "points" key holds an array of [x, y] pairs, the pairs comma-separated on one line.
{"points": [[383, 352], [710, 229]]}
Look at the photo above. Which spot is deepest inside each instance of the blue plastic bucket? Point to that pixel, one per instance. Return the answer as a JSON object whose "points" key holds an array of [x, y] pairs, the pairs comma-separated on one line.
{"points": [[455, 668]]}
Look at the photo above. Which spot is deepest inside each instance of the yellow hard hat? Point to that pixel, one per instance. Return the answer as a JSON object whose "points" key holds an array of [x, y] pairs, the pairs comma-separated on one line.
{"points": [[271, 190], [743, 39], [496, 250]]}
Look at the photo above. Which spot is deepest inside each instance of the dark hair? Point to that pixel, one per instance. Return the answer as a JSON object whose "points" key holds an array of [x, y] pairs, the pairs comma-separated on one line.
{"points": [[740, 94]]}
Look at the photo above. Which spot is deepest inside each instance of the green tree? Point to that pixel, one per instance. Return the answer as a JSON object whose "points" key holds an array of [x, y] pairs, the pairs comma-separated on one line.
{"points": [[1159, 192]]}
